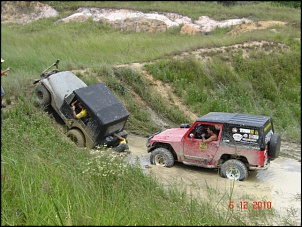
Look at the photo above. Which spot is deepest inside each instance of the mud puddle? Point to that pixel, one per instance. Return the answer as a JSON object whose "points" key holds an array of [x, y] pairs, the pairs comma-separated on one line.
{"points": [[279, 186]]}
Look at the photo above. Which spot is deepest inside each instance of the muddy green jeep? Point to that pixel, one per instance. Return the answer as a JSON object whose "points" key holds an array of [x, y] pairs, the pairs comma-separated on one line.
{"points": [[107, 115]]}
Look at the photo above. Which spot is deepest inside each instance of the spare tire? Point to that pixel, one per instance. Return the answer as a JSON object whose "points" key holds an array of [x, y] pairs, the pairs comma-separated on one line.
{"points": [[274, 146]]}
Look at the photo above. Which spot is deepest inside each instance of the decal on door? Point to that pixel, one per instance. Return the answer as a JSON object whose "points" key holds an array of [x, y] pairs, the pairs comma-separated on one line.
{"points": [[203, 146]]}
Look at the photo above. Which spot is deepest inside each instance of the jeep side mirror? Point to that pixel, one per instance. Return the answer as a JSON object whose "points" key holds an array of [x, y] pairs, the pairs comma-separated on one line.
{"points": [[191, 136]]}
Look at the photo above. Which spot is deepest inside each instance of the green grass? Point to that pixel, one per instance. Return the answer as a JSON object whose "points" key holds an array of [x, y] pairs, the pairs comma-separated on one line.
{"points": [[47, 180]]}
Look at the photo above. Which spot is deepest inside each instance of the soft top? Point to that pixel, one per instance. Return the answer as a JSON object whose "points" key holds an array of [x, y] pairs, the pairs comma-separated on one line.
{"points": [[102, 103], [235, 118]]}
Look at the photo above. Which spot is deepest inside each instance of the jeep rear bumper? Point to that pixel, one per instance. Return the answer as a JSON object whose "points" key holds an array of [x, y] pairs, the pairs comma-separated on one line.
{"points": [[260, 167]]}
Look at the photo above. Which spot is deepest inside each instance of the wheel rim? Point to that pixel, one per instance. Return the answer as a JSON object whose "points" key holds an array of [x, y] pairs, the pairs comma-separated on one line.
{"points": [[232, 173], [40, 95], [73, 139], [160, 160]]}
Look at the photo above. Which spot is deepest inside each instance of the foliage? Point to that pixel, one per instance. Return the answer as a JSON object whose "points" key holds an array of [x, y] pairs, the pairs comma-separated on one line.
{"points": [[294, 4]]}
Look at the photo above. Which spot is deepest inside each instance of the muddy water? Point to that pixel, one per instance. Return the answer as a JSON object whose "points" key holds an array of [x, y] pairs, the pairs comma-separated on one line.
{"points": [[278, 187]]}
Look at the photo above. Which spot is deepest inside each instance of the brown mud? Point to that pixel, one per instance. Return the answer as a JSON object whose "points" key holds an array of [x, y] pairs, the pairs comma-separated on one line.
{"points": [[279, 185]]}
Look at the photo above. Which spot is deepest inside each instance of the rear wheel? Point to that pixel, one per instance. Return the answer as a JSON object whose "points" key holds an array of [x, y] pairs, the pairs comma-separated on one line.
{"points": [[234, 169], [162, 157], [77, 137], [43, 95]]}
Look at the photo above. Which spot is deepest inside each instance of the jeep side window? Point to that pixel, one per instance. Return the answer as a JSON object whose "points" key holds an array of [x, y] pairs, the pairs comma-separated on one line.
{"points": [[207, 131], [79, 111], [197, 131]]}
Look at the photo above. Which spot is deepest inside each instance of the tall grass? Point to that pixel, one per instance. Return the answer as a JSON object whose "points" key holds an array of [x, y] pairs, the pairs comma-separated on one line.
{"points": [[261, 84]]}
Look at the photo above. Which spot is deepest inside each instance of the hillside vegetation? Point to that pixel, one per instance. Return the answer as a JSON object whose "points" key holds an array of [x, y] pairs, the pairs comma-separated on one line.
{"points": [[47, 180]]}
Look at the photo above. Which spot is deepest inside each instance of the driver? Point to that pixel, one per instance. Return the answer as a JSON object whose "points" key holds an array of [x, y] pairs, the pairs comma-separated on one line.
{"points": [[200, 130], [212, 135], [82, 114]]}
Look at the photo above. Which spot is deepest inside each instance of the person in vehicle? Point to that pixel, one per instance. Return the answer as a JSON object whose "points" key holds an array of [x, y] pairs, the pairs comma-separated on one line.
{"points": [[82, 114], [212, 132], [123, 146], [199, 131]]}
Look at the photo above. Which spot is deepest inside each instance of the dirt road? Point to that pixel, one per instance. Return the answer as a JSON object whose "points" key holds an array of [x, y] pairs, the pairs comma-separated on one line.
{"points": [[279, 185]]}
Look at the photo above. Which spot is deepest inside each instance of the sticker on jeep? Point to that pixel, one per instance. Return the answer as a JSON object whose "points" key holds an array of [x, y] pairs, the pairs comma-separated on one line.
{"points": [[237, 137], [203, 146], [267, 127], [244, 130]]}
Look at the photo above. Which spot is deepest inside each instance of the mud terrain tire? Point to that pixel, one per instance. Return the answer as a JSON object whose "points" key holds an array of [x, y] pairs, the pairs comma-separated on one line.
{"points": [[234, 169], [162, 157], [43, 95], [274, 146], [77, 137]]}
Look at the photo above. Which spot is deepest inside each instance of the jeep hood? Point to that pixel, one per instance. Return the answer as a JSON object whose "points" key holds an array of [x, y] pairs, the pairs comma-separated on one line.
{"points": [[170, 135]]}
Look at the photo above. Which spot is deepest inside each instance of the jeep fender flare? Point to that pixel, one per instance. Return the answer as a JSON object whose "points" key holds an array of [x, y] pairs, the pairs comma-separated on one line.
{"points": [[163, 145]]}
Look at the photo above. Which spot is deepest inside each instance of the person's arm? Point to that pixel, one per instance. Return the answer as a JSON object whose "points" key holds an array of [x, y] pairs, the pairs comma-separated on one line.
{"points": [[118, 136], [73, 111], [211, 138], [3, 73], [72, 104]]}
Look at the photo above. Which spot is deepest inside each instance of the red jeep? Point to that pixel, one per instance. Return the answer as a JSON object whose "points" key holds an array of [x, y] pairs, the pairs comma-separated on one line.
{"points": [[245, 142]]}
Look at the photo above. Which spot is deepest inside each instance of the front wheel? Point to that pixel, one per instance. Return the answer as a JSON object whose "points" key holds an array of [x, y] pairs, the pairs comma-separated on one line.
{"points": [[77, 137], [234, 169], [43, 95], [162, 157]]}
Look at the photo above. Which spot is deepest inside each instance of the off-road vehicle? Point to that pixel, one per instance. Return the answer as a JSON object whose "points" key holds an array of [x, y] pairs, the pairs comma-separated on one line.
{"points": [[107, 115], [245, 142]]}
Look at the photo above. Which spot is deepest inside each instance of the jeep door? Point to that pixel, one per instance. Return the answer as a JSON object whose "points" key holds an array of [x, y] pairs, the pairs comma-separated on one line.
{"points": [[196, 150]]}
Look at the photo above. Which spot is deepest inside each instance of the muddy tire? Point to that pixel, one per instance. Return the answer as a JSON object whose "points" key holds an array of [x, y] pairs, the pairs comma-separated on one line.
{"points": [[234, 169], [77, 137], [274, 146], [162, 157], [43, 95]]}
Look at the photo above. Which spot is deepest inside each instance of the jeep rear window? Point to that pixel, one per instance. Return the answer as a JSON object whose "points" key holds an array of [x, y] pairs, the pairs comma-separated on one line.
{"points": [[243, 134], [115, 128]]}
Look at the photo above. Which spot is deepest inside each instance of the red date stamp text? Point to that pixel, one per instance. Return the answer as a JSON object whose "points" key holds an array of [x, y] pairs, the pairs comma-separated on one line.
{"points": [[255, 205]]}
